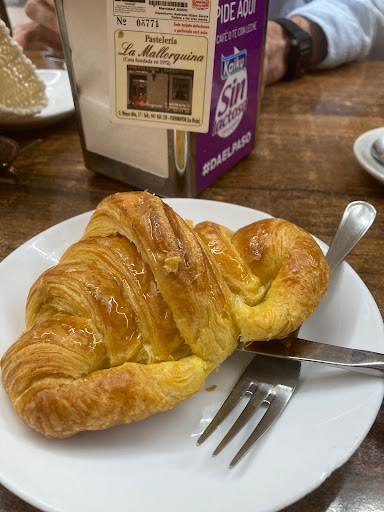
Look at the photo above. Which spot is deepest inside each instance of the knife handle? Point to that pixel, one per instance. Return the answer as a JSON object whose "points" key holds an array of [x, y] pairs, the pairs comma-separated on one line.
{"points": [[370, 366], [298, 349], [364, 361]]}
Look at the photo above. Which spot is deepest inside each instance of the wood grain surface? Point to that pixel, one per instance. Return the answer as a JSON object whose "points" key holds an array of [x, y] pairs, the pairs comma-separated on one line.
{"points": [[302, 169]]}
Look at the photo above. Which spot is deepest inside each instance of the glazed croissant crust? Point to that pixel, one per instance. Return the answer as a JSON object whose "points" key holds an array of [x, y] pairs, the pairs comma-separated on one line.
{"points": [[139, 311]]}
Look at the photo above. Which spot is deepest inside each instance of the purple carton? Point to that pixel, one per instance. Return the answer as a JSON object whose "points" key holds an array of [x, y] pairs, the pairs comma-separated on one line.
{"points": [[235, 89]]}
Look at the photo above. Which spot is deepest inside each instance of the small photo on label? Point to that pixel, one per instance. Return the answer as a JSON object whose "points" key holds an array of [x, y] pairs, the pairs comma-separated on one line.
{"points": [[159, 89]]}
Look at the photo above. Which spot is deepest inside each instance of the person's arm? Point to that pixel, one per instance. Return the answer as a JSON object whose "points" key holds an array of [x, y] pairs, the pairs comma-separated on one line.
{"points": [[278, 43], [354, 28], [342, 31]]}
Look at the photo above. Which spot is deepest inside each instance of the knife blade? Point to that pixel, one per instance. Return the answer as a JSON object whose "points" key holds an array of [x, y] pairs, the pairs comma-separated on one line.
{"points": [[298, 349]]}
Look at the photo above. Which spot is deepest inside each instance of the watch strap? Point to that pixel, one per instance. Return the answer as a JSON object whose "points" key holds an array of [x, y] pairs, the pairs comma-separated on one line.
{"points": [[300, 52], [293, 29]]}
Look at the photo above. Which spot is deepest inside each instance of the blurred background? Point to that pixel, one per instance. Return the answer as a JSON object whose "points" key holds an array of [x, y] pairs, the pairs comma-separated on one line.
{"points": [[16, 13]]}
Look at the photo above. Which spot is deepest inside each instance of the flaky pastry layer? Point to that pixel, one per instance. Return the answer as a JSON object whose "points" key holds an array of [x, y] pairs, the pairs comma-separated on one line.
{"points": [[139, 311]]}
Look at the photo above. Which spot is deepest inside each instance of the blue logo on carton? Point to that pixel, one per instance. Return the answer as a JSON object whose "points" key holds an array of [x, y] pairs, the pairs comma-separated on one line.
{"points": [[233, 100], [233, 63]]}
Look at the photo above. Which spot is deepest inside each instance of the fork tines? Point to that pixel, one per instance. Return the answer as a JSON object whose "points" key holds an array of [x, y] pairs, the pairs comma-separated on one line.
{"points": [[268, 380]]}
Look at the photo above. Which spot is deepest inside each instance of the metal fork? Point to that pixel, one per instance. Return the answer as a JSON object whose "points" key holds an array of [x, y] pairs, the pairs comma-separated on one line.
{"points": [[270, 380]]}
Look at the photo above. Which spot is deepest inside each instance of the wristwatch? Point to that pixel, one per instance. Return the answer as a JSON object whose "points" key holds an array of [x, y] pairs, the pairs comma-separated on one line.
{"points": [[300, 51]]}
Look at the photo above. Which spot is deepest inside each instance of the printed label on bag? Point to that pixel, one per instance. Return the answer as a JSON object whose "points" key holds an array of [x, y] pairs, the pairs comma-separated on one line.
{"points": [[161, 57]]}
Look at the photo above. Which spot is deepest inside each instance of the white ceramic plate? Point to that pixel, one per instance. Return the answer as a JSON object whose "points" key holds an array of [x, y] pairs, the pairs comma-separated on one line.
{"points": [[155, 464], [60, 102], [362, 150]]}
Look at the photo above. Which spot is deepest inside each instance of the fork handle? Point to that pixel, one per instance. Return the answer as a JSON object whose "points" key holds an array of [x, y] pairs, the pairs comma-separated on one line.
{"points": [[298, 349]]}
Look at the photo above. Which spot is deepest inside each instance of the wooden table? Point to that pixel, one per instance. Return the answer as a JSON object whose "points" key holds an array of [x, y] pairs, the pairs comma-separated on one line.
{"points": [[302, 169]]}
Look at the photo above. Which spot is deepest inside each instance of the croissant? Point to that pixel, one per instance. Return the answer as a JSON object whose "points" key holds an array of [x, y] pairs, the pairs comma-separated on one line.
{"points": [[139, 311]]}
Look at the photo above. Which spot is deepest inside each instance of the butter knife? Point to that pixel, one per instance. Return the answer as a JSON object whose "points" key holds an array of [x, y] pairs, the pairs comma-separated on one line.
{"points": [[298, 349]]}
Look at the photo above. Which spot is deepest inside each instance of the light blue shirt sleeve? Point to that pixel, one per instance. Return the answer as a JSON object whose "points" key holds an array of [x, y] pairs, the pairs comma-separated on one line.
{"points": [[354, 28]]}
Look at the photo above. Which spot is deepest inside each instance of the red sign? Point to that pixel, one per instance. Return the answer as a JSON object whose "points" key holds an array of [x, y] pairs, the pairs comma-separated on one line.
{"points": [[200, 3]]}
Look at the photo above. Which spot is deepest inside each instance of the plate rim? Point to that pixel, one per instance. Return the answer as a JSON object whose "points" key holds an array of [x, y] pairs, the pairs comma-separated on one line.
{"points": [[370, 165]]}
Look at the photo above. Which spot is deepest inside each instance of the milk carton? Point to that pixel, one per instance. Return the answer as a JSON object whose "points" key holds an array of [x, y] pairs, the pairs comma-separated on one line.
{"points": [[166, 92]]}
